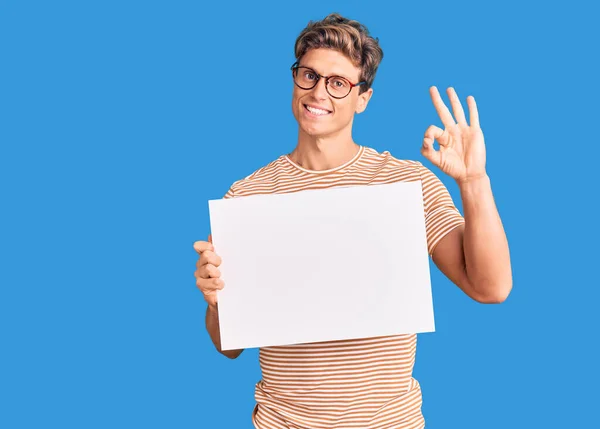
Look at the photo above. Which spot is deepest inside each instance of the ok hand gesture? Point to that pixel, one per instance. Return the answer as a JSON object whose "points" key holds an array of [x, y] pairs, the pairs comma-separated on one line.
{"points": [[461, 154]]}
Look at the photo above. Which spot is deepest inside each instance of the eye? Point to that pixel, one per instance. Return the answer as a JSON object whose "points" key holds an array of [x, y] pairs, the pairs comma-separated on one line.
{"points": [[339, 83], [310, 75]]}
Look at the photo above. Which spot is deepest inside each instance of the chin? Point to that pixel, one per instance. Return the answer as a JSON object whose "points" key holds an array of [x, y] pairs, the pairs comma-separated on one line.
{"points": [[317, 132]]}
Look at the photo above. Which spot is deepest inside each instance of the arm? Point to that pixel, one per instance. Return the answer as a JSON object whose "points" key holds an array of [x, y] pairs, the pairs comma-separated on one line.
{"points": [[212, 310], [475, 256], [209, 282], [212, 326]]}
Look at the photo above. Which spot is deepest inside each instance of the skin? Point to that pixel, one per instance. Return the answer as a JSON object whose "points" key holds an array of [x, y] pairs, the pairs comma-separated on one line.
{"points": [[474, 256]]}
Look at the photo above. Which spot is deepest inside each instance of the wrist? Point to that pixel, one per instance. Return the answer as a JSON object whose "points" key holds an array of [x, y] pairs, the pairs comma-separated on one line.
{"points": [[213, 308], [482, 177], [474, 186]]}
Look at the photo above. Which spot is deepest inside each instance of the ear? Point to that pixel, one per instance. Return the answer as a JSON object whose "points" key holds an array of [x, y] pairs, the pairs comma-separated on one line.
{"points": [[363, 100]]}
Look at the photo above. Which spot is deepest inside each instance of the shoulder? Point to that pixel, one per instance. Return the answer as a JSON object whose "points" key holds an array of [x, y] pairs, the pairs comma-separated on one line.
{"points": [[386, 162], [386, 168], [263, 175]]}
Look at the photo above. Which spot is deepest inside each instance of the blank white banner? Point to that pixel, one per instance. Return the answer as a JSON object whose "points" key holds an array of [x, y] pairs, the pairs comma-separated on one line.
{"points": [[322, 265]]}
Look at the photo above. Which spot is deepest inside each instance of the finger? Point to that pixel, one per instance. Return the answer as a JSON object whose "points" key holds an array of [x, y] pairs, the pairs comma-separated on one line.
{"points": [[201, 273], [210, 238], [209, 285], [459, 113], [209, 257], [436, 133], [441, 108], [208, 271], [473, 113], [203, 246], [431, 154], [427, 149]]}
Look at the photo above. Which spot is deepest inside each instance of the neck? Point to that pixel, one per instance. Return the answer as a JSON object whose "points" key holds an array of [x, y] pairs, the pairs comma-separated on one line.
{"points": [[323, 153]]}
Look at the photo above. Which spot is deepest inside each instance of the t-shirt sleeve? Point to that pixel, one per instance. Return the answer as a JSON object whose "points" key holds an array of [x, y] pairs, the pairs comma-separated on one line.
{"points": [[441, 215], [229, 194]]}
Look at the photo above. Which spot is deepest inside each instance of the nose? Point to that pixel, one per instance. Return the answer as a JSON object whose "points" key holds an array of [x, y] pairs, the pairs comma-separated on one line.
{"points": [[320, 90]]}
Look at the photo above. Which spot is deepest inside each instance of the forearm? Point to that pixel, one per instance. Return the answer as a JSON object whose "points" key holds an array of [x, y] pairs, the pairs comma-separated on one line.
{"points": [[487, 258], [212, 326]]}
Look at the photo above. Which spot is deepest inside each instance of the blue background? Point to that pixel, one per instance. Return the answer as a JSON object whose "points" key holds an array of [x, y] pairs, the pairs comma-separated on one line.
{"points": [[120, 120]]}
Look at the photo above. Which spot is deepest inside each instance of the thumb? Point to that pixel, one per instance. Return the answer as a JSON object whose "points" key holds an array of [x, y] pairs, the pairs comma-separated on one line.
{"points": [[210, 238], [428, 151]]}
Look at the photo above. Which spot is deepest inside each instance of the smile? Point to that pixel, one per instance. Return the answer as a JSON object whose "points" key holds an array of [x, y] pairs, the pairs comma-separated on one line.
{"points": [[316, 112]]}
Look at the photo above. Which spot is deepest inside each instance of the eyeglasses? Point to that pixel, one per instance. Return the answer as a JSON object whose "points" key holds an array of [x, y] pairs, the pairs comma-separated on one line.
{"points": [[336, 86]]}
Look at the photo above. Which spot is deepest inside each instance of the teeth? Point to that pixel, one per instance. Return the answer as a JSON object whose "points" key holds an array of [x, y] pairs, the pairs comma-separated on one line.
{"points": [[317, 111]]}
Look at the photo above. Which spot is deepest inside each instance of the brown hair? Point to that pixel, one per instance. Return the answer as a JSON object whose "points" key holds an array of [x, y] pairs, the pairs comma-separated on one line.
{"points": [[347, 36]]}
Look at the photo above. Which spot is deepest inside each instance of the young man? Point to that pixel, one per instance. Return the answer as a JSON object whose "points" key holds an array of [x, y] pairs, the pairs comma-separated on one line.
{"points": [[365, 383]]}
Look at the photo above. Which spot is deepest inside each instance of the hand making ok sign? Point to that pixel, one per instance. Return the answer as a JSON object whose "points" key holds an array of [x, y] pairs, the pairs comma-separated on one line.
{"points": [[461, 154]]}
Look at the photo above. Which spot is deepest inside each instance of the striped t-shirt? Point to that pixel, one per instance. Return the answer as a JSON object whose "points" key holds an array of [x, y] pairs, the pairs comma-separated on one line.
{"points": [[364, 383]]}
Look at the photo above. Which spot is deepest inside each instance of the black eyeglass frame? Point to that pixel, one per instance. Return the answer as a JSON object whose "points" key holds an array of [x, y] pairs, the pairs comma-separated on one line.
{"points": [[297, 66]]}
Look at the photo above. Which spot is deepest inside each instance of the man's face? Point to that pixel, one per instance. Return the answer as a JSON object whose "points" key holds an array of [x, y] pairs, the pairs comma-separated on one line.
{"points": [[339, 113]]}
